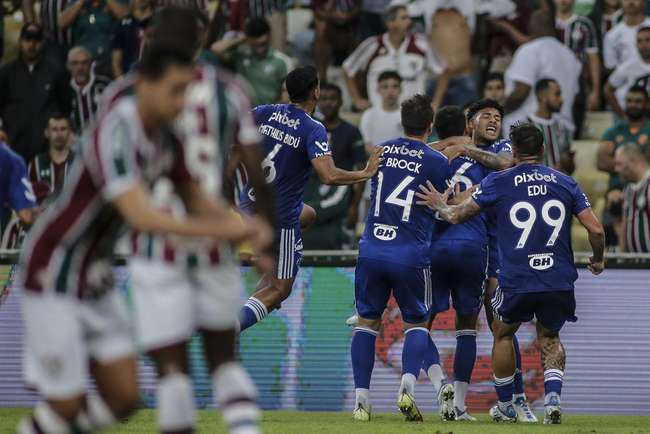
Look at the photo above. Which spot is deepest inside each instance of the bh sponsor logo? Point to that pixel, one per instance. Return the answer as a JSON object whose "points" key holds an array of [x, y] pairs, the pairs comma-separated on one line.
{"points": [[385, 232], [541, 262]]}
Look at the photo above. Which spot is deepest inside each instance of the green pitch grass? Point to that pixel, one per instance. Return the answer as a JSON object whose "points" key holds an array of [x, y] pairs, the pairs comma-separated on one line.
{"points": [[341, 423]]}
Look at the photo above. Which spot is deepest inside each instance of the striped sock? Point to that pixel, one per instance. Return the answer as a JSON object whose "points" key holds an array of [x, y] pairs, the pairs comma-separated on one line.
{"points": [[553, 381], [253, 312], [237, 395], [505, 389]]}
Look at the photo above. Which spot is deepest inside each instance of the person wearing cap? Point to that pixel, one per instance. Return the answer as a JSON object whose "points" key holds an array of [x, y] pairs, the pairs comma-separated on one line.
{"points": [[31, 87]]}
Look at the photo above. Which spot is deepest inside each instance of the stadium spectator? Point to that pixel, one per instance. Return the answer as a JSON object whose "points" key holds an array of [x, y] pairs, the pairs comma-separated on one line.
{"points": [[605, 14], [372, 18], [275, 12], [86, 88], [57, 40], [634, 129], [635, 71], [558, 152], [252, 57], [382, 121], [507, 30], [543, 57], [619, 44], [335, 31], [450, 25], [632, 165], [398, 49], [31, 87], [128, 35], [48, 170], [91, 23], [337, 206], [579, 34], [494, 87]]}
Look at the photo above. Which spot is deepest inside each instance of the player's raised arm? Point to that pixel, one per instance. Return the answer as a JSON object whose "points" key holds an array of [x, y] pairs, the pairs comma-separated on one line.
{"points": [[331, 175], [439, 202]]}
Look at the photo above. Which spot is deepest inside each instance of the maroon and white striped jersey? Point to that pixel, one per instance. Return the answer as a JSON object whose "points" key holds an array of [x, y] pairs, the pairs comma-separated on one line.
{"points": [[70, 249]]}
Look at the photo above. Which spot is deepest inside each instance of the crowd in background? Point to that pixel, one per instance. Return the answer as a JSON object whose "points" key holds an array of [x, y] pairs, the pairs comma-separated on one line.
{"points": [[549, 62]]}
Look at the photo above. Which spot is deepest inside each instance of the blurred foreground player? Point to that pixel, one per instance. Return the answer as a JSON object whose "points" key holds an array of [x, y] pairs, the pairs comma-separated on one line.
{"points": [[393, 256], [534, 205], [293, 143], [75, 321]]}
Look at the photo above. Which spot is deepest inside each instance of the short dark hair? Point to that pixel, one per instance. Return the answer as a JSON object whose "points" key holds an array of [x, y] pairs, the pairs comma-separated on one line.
{"points": [[301, 82], [417, 115], [638, 89], [58, 116], [179, 26], [544, 84], [449, 121], [527, 139], [256, 27], [390, 13], [643, 29], [157, 57], [483, 104], [389, 75], [494, 76], [331, 86]]}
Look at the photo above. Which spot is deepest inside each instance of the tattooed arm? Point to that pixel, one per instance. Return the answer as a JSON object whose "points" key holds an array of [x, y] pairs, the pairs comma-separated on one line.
{"points": [[437, 201], [500, 161]]}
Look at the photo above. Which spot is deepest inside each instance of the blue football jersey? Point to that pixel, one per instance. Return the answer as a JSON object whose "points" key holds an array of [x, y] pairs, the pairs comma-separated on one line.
{"points": [[534, 206], [502, 145], [15, 188], [498, 147], [398, 230], [291, 139]]}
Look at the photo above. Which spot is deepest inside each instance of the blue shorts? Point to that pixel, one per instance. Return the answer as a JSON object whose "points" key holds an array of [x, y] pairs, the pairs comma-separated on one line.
{"points": [[493, 259], [458, 269], [375, 279], [288, 248], [551, 308]]}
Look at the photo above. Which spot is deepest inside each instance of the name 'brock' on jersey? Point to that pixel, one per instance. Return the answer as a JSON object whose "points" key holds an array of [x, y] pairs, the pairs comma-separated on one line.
{"points": [[397, 230], [291, 139], [534, 205]]}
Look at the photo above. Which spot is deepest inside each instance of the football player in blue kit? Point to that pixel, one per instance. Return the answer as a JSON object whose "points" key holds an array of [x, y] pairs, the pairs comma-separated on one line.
{"points": [[534, 206], [394, 255], [16, 191], [293, 143]]}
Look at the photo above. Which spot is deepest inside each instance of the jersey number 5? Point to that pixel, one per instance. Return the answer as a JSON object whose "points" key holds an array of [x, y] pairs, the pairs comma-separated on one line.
{"points": [[393, 197], [527, 224]]}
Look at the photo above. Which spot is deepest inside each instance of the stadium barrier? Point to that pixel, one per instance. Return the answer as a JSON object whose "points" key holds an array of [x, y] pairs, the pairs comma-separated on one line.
{"points": [[299, 356]]}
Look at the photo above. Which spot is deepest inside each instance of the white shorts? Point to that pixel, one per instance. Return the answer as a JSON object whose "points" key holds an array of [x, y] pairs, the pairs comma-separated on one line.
{"points": [[62, 333], [171, 302]]}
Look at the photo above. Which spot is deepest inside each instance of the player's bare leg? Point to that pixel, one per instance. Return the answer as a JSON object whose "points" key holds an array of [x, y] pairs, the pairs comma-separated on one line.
{"points": [[503, 365], [174, 393], [416, 343], [431, 365], [464, 360], [236, 392], [362, 352], [553, 362]]}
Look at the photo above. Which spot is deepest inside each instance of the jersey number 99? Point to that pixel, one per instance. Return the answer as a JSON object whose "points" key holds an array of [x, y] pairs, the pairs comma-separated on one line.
{"points": [[527, 224]]}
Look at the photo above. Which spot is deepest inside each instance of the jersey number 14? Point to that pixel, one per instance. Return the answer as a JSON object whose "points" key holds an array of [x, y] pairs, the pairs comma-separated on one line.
{"points": [[393, 198]]}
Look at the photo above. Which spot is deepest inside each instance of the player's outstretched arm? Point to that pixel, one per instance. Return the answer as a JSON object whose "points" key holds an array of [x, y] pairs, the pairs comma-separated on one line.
{"points": [[329, 174], [500, 161], [439, 202], [134, 204], [596, 238]]}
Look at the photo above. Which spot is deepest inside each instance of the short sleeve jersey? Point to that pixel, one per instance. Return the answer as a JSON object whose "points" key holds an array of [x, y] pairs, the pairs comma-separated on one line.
{"points": [[291, 139], [534, 206], [397, 229]]}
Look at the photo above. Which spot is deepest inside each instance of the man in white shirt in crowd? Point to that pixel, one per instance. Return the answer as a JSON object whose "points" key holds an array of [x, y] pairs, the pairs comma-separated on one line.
{"points": [[382, 121], [399, 49], [634, 72], [543, 57], [619, 44]]}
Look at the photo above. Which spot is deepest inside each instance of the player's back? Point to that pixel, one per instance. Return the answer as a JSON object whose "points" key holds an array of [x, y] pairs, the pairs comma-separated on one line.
{"points": [[534, 205], [291, 139], [398, 230]]}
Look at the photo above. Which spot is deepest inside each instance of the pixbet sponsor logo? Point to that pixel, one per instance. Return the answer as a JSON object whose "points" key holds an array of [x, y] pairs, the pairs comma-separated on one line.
{"points": [[403, 150], [283, 119], [534, 177]]}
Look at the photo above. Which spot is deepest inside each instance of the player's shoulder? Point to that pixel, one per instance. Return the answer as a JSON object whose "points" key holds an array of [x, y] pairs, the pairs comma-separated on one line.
{"points": [[8, 155]]}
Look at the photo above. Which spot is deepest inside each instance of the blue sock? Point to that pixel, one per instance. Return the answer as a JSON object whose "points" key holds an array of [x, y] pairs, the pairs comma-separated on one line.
{"points": [[431, 356], [362, 351], [553, 381], [519, 378], [465, 356], [505, 390], [415, 347], [252, 312]]}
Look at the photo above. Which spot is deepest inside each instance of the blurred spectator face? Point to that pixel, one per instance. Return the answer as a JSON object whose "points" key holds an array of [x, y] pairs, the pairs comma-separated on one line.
{"points": [[260, 45], [31, 43], [486, 125], [329, 103], [401, 23], [58, 133], [643, 44], [495, 90], [613, 4], [552, 97], [633, 7], [390, 90], [564, 6], [624, 165], [79, 63], [635, 106]]}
